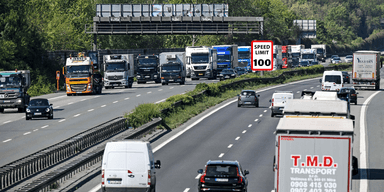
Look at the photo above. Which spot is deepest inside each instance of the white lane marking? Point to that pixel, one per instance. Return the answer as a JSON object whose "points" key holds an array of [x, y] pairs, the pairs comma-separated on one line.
{"points": [[318, 86], [186, 189], [237, 138], [27, 133], [57, 106], [298, 92], [260, 115], [244, 131], [91, 110], [22, 117], [35, 130], [95, 189], [221, 155], [230, 145], [96, 96], [149, 92], [160, 101], [250, 125], [160, 89], [70, 103], [126, 98], [103, 105], [45, 126], [305, 89], [138, 95], [311, 88], [61, 120], [7, 140], [115, 101], [171, 87], [363, 148], [76, 115], [83, 99], [270, 106], [182, 86], [198, 176], [256, 119], [265, 111], [7, 122], [57, 97], [121, 91]]}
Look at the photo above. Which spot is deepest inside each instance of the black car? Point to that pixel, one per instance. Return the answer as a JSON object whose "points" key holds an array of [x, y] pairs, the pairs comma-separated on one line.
{"points": [[352, 96], [241, 70], [39, 108], [227, 74], [223, 175], [346, 77]]}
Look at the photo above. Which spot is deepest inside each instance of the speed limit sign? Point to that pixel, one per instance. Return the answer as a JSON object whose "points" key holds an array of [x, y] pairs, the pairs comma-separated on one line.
{"points": [[262, 55]]}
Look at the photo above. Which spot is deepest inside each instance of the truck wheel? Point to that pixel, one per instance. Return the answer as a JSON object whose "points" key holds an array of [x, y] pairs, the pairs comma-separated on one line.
{"points": [[356, 103], [158, 81], [69, 95], [238, 105]]}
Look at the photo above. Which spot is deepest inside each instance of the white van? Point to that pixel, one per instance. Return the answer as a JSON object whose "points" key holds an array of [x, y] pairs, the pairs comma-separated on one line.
{"points": [[332, 81], [128, 166], [279, 98]]}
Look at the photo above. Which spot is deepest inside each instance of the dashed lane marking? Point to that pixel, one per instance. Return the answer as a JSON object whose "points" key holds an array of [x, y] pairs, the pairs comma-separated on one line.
{"points": [[7, 122], [76, 115], [126, 98], [160, 89], [256, 119], [91, 110], [305, 89], [171, 87], [198, 176], [103, 105], [35, 130], [298, 92], [115, 101], [237, 138], [260, 115], [265, 111], [45, 126], [221, 155], [7, 140], [149, 92], [27, 133], [250, 125], [230, 145], [311, 88], [186, 190], [138, 95], [57, 106], [244, 131], [61, 120]]}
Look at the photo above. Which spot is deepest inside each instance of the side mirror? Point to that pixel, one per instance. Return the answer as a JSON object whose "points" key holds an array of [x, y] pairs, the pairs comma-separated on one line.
{"points": [[355, 166], [158, 164], [270, 101], [51, 104], [258, 95], [246, 172], [200, 171], [320, 80], [352, 117], [238, 95], [357, 93]]}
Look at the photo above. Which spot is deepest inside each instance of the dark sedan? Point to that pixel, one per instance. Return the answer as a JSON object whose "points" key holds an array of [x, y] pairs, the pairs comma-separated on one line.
{"points": [[346, 77], [241, 70], [222, 175], [227, 74], [352, 94], [39, 108]]}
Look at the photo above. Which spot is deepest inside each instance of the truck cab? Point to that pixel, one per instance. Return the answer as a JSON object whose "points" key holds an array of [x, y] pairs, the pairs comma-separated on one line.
{"points": [[227, 57], [201, 62], [172, 67], [13, 89], [244, 57], [296, 53], [147, 68], [308, 55], [118, 71]]}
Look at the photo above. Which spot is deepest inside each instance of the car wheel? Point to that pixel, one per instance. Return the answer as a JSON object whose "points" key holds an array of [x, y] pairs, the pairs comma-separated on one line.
{"points": [[1, 110], [27, 118], [355, 102], [272, 115], [257, 105], [50, 117]]}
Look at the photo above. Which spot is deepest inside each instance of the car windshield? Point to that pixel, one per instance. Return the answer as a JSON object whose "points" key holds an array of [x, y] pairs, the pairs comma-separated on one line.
{"points": [[228, 71], [215, 170], [240, 69], [38, 102], [347, 91], [336, 58], [333, 56], [115, 67], [244, 54], [349, 56], [10, 81], [199, 58], [320, 51], [245, 93], [223, 58], [333, 78]]}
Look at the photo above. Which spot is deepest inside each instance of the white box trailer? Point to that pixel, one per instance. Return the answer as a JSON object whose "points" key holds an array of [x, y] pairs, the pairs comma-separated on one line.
{"points": [[321, 51], [366, 70], [314, 154]]}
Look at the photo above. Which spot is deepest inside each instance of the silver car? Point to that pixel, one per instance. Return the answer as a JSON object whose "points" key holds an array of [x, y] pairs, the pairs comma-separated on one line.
{"points": [[248, 97], [348, 59]]}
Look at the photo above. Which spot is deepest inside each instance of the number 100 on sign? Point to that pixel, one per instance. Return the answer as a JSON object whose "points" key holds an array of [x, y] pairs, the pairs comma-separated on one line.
{"points": [[262, 55]]}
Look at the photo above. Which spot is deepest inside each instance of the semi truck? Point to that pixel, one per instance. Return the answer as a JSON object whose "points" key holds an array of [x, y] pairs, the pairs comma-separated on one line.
{"points": [[308, 55], [118, 70], [277, 57], [321, 51], [13, 89], [201, 62], [172, 67], [295, 53], [227, 57], [244, 57], [147, 68], [287, 60], [314, 147], [366, 70], [80, 77]]}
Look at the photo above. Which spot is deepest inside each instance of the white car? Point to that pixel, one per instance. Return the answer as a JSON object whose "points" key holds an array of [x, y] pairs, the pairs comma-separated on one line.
{"points": [[348, 59], [336, 60]]}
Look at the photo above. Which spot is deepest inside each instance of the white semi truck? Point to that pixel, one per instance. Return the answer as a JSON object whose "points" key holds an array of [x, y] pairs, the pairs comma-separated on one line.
{"points": [[308, 55], [201, 62], [295, 54], [172, 67], [366, 70], [321, 51], [118, 70], [314, 147]]}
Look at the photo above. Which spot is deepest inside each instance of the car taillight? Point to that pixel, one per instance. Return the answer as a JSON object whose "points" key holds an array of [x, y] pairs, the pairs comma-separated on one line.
{"points": [[353, 94], [202, 178], [102, 177], [149, 177], [273, 100], [239, 98], [240, 177]]}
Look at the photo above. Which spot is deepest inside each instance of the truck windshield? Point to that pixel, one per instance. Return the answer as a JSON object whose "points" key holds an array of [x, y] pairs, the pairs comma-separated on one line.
{"points": [[308, 56], [333, 78], [320, 51], [295, 54], [147, 61], [199, 58], [274, 55], [223, 58], [79, 71], [115, 67], [171, 68], [244, 55], [10, 82]]}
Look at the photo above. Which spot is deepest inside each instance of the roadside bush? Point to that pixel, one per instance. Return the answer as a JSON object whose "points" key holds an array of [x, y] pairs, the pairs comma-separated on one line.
{"points": [[143, 114], [41, 86], [186, 99]]}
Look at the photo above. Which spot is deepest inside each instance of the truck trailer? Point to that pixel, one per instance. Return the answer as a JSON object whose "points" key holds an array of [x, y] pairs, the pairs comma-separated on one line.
{"points": [[118, 70], [147, 68], [13, 89], [321, 52], [172, 67], [366, 70], [201, 62]]}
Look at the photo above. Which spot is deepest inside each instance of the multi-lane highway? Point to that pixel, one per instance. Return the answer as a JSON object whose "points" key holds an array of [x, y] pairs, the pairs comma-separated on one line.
{"points": [[246, 135]]}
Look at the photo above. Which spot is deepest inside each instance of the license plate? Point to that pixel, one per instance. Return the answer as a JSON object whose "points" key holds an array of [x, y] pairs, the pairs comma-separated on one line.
{"points": [[327, 87], [281, 108], [37, 113], [7, 101], [247, 102], [79, 92], [114, 182], [115, 84], [147, 77], [200, 73], [170, 79], [226, 76], [221, 180]]}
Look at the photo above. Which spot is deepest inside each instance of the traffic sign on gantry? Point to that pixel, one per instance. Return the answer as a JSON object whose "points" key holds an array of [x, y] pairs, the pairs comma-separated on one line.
{"points": [[262, 55]]}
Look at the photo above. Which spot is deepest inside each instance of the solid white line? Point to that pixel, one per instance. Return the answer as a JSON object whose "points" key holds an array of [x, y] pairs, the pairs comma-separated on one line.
{"points": [[7, 122], [171, 87], [160, 89], [83, 99], [149, 92], [138, 95], [237, 138], [57, 97], [244, 131], [76, 115], [160, 101], [91, 110], [27, 133], [103, 105], [298, 92], [70, 103], [198, 176], [250, 125], [260, 115], [7, 140], [265, 111], [115, 101], [186, 189], [126, 98], [256, 119], [61, 120], [221, 155], [35, 130], [96, 188], [230, 145], [45, 126], [363, 148]]}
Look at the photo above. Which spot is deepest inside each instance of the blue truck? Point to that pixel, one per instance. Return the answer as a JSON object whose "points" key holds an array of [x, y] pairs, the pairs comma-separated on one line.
{"points": [[227, 57], [244, 57]]}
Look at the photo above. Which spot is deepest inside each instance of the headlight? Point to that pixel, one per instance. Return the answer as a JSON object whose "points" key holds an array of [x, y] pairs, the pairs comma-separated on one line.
{"points": [[68, 88], [18, 100], [155, 76], [138, 76], [220, 74], [47, 110], [232, 74], [28, 110]]}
